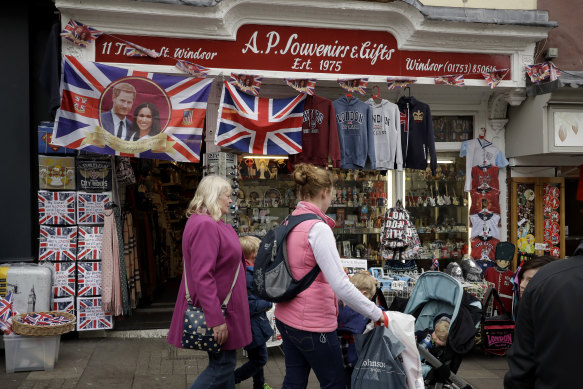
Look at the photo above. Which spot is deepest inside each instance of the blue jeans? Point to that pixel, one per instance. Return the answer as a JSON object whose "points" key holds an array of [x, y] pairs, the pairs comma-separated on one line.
{"points": [[253, 367], [219, 372], [305, 350]]}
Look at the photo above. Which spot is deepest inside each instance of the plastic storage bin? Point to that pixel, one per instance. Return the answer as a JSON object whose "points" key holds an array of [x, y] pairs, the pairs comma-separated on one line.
{"points": [[26, 353]]}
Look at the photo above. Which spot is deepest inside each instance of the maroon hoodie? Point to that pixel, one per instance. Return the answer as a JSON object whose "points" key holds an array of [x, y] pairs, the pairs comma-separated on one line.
{"points": [[319, 133]]}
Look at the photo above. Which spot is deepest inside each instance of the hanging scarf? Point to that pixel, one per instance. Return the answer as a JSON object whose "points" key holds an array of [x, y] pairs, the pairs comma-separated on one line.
{"points": [[111, 301], [127, 309]]}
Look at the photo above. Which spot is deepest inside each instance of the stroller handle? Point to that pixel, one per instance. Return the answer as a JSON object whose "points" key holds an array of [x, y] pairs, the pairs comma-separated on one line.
{"points": [[436, 363]]}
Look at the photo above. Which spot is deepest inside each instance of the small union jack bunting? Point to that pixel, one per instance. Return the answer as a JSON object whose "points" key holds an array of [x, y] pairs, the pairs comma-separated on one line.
{"points": [[133, 50], [545, 71], [192, 69], [56, 208], [302, 85], [247, 83], [354, 85], [494, 78], [6, 314], [394, 83], [79, 33], [91, 207], [450, 80], [57, 244]]}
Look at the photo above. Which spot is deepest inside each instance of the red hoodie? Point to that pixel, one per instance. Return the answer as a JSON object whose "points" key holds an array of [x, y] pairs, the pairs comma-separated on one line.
{"points": [[319, 133]]}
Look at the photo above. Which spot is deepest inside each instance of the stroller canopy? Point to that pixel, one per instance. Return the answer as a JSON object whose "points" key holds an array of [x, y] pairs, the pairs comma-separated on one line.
{"points": [[434, 293]]}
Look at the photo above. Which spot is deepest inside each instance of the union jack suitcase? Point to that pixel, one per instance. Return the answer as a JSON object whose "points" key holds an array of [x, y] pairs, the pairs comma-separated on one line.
{"points": [[31, 286]]}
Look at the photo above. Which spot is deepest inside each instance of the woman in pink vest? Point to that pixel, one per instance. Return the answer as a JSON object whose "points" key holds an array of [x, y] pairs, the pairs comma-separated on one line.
{"points": [[308, 322], [212, 253]]}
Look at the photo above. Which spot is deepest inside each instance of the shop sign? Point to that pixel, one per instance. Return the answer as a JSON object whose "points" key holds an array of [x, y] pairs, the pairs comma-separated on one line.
{"points": [[303, 49]]}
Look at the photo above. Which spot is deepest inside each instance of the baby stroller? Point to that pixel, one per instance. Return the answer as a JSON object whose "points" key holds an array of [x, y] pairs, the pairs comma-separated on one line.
{"points": [[438, 293]]}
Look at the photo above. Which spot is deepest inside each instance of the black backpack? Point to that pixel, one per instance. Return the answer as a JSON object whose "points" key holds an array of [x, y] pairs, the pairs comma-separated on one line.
{"points": [[272, 277]]}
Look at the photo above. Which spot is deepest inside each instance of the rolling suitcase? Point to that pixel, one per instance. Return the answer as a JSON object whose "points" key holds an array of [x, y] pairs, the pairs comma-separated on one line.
{"points": [[31, 285]]}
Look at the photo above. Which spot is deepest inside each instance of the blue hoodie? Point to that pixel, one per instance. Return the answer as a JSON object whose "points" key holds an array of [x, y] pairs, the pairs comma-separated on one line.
{"points": [[355, 132]]}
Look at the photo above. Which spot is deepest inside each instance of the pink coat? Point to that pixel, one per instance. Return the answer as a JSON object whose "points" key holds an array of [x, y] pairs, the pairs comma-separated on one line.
{"points": [[211, 252], [316, 308]]}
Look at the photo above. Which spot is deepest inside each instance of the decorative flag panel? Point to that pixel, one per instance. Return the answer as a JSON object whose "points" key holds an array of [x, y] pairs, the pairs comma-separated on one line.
{"points": [[56, 208], [57, 244], [89, 243], [88, 278], [259, 125], [90, 316], [64, 304], [64, 281], [56, 173], [94, 175], [110, 110], [91, 207]]}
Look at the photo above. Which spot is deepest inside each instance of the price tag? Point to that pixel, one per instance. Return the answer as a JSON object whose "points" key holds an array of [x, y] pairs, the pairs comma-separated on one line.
{"points": [[521, 222], [540, 246], [398, 285]]}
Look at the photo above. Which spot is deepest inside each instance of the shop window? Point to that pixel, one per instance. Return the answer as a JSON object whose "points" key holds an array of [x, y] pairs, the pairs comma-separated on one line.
{"points": [[453, 128]]}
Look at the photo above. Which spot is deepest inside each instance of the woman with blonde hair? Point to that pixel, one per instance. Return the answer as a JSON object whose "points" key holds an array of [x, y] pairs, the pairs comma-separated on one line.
{"points": [[211, 255], [308, 322]]}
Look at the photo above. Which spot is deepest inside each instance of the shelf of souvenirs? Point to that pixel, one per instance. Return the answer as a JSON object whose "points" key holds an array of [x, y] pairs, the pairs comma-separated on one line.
{"points": [[415, 207], [355, 230]]}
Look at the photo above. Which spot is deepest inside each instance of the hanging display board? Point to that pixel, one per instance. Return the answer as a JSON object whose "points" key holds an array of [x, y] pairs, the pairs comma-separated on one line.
{"points": [[94, 175], [303, 49]]}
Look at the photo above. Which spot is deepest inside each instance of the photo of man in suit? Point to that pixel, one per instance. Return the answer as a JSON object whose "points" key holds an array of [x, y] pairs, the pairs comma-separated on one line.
{"points": [[116, 121]]}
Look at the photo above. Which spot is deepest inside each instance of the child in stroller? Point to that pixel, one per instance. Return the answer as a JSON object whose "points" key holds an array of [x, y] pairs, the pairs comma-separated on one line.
{"points": [[435, 294], [434, 340]]}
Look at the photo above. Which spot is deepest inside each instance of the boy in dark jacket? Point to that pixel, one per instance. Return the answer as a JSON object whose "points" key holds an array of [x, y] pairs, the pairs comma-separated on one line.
{"points": [[260, 327]]}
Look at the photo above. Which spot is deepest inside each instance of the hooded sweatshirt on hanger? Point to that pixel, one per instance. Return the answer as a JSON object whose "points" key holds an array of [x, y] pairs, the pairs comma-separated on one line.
{"points": [[354, 121], [387, 134], [417, 137]]}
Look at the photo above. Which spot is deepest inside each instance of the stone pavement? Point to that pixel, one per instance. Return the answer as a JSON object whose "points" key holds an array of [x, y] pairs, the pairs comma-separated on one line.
{"points": [[117, 363]]}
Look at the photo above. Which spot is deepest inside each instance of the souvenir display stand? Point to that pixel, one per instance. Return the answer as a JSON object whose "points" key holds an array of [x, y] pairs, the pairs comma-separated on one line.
{"points": [[537, 217]]}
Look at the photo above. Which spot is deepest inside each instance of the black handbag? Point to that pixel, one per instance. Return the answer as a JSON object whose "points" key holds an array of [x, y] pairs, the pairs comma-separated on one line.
{"points": [[195, 334], [497, 331]]}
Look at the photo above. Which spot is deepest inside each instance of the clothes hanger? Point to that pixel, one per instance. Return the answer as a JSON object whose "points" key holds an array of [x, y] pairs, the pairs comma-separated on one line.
{"points": [[376, 93]]}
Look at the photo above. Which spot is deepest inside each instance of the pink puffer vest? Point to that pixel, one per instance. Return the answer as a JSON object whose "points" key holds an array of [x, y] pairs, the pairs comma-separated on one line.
{"points": [[316, 308]]}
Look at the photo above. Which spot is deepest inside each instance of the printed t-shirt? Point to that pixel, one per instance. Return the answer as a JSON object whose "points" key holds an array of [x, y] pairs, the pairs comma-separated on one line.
{"points": [[487, 200], [484, 248], [484, 177], [485, 224]]}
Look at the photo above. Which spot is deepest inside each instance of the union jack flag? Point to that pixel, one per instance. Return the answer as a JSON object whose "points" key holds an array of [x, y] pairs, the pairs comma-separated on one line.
{"points": [[171, 94], [354, 85], [90, 316], [394, 83], [89, 243], [303, 85], [64, 282], [538, 72], [404, 120], [435, 264], [88, 278], [91, 207], [57, 244], [6, 313], [247, 83], [260, 125], [133, 50], [57, 208], [64, 304], [192, 68], [458, 80], [494, 78], [79, 33]]}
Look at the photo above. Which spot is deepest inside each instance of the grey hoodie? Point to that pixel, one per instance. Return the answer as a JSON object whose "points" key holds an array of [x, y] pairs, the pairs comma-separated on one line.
{"points": [[355, 132], [387, 135]]}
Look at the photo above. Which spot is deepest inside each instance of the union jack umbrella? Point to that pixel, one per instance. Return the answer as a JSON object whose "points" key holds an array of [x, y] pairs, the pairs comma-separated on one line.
{"points": [[192, 68], [56, 208], [302, 85], [91, 207], [57, 244], [354, 85], [65, 281], [82, 126], [90, 316], [64, 304], [248, 83], [6, 313], [494, 78], [450, 80], [88, 278], [89, 243], [260, 125], [79, 33], [394, 83], [133, 50]]}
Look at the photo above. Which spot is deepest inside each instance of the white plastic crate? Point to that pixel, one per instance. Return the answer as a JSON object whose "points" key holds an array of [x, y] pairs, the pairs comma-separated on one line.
{"points": [[26, 353]]}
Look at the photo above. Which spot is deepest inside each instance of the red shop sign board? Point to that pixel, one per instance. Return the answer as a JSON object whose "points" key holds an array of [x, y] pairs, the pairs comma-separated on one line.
{"points": [[303, 49]]}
